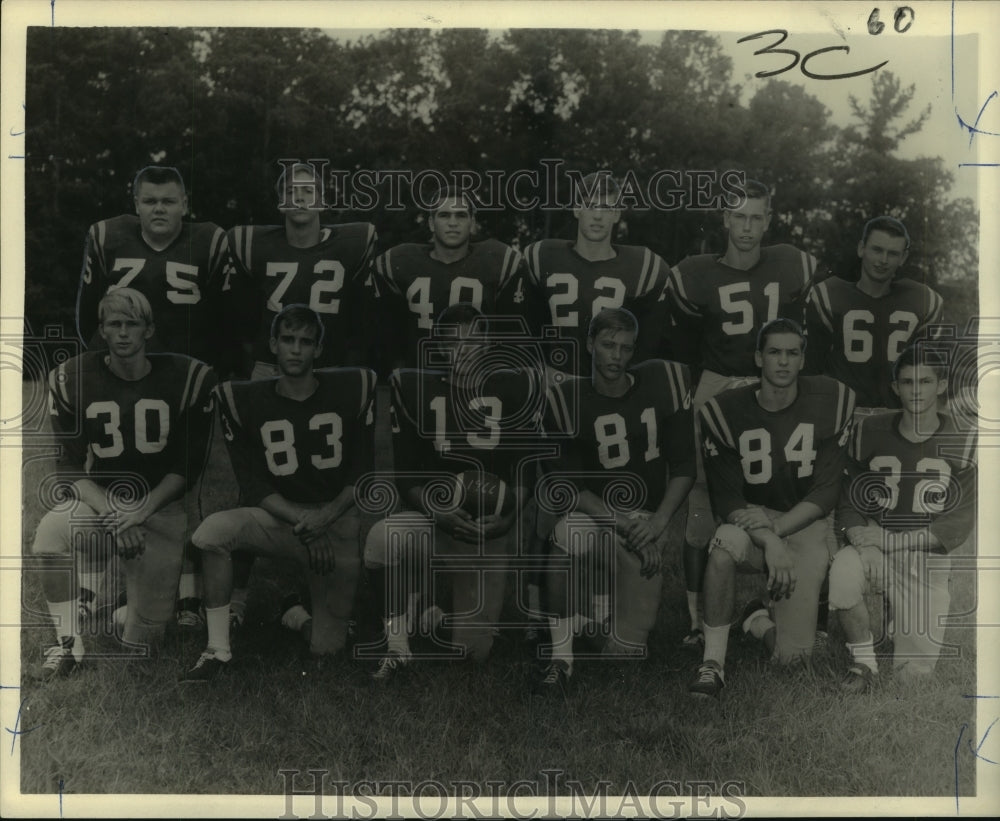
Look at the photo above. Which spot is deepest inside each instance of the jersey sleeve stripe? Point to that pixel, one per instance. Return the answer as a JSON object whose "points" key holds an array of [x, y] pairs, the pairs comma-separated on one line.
{"points": [[226, 393], [808, 268], [935, 304], [647, 264], [187, 392], [201, 371], [673, 380], [711, 415], [367, 386], [57, 382], [560, 409], [395, 384], [824, 307], [845, 405], [100, 236], [508, 267], [533, 256], [680, 295], [854, 449]]}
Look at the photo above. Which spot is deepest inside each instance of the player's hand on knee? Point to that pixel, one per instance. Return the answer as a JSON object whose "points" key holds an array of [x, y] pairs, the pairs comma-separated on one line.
{"points": [[751, 518], [321, 556], [871, 562], [781, 575], [866, 536], [650, 558], [130, 542]]}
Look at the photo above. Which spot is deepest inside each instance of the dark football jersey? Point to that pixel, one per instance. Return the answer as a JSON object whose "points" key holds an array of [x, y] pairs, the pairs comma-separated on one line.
{"points": [[906, 485], [776, 459], [414, 288], [577, 289], [308, 451], [718, 310], [446, 427], [647, 432], [182, 282], [328, 277], [121, 432], [855, 337]]}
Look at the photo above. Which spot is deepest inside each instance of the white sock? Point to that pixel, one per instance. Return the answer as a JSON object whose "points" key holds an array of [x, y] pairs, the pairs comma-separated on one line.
{"points": [[217, 619], [716, 642], [692, 599], [395, 635], [294, 617], [91, 580], [188, 587], [863, 652], [562, 640], [602, 608], [64, 616], [534, 600], [760, 625]]}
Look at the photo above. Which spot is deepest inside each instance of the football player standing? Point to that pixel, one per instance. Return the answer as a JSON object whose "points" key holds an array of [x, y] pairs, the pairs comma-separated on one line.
{"points": [[858, 329], [908, 500], [717, 305], [134, 430], [298, 444], [577, 279], [180, 267], [416, 281], [633, 461], [472, 417], [774, 455], [302, 262]]}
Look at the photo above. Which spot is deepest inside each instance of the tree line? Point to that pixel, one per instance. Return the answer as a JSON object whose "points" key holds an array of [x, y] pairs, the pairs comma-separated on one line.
{"points": [[225, 105]]}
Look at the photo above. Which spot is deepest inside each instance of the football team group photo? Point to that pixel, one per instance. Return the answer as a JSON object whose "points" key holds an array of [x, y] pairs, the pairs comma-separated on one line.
{"points": [[447, 406]]}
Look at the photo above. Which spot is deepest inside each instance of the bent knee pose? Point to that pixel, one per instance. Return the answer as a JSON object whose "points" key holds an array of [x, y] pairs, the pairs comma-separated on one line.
{"points": [[773, 458], [134, 431], [298, 444], [908, 500]]}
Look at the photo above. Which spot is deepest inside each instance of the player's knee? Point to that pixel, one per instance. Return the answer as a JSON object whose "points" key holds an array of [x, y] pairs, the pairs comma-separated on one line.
{"points": [[847, 580], [728, 543], [376, 552], [217, 532], [578, 535], [53, 534]]}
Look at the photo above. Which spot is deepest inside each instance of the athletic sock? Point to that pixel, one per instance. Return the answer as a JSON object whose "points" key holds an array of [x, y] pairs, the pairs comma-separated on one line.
{"points": [[863, 652], [716, 643], [90, 581], [64, 615], [217, 619], [294, 617], [561, 630], [534, 600], [602, 608], [395, 635]]}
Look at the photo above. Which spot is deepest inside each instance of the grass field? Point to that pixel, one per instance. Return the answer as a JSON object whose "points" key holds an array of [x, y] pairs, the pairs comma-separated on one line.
{"points": [[129, 727]]}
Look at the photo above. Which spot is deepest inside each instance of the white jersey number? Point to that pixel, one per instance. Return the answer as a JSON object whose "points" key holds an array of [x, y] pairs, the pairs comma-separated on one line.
{"points": [[150, 415], [612, 296], [278, 438], [927, 493], [756, 458], [859, 342], [612, 439], [321, 295], [735, 301]]}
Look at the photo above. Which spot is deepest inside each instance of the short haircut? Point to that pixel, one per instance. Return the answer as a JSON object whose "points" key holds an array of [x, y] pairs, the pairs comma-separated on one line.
{"points": [[459, 314], [931, 356], [597, 184], [297, 316], [158, 175], [294, 168], [126, 301], [613, 319], [781, 325], [753, 190], [890, 225], [450, 193]]}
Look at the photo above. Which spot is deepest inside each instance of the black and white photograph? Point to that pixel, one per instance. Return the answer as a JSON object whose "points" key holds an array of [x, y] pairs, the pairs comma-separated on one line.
{"points": [[475, 410]]}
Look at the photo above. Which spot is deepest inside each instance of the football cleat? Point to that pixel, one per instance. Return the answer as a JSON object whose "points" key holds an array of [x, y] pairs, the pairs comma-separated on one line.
{"points": [[754, 609], [390, 666], [554, 679], [59, 661], [190, 615], [693, 640], [709, 682], [858, 679], [206, 668]]}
